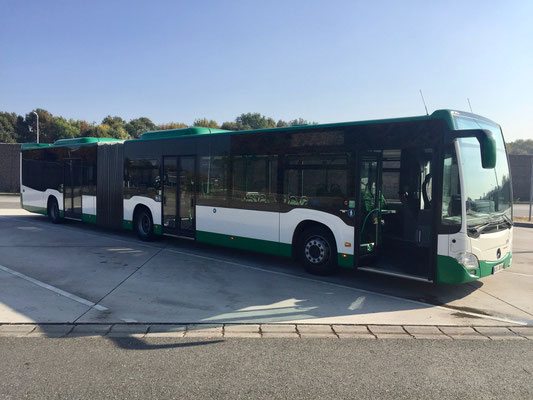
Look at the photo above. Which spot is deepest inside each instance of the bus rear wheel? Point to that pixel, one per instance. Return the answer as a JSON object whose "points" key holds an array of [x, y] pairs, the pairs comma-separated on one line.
{"points": [[144, 224], [317, 251], [53, 211]]}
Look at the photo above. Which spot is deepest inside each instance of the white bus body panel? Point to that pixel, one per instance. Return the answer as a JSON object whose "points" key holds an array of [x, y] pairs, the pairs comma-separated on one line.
{"points": [[343, 233], [262, 225], [36, 198], [153, 206], [88, 204], [485, 247], [270, 226]]}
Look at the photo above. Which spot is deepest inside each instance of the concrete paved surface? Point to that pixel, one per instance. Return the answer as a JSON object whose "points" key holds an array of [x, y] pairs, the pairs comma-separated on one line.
{"points": [[78, 273], [86, 368], [521, 210]]}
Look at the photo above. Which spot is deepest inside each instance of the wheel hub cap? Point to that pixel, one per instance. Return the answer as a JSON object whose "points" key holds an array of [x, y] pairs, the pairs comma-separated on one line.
{"points": [[316, 250]]}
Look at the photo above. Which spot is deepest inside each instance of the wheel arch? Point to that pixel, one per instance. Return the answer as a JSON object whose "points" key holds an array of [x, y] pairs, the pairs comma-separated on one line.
{"points": [[302, 227]]}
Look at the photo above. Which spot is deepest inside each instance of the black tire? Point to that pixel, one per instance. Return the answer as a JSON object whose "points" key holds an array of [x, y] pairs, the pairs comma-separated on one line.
{"points": [[144, 224], [317, 251], [53, 211]]}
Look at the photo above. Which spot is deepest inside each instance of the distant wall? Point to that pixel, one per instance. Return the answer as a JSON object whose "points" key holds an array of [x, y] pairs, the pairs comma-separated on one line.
{"points": [[9, 168], [521, 175]]}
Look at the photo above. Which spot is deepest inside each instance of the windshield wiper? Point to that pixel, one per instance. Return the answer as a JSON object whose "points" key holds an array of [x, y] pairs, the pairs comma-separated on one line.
{"points": [[477, 230]]}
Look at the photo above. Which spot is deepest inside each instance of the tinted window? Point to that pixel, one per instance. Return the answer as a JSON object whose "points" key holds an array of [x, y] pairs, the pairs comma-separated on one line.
{"points": [[142, 178], [316, 181], [254, 179]]}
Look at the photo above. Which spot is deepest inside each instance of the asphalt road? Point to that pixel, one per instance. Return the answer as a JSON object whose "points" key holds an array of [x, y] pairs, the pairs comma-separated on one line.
{"points": [[268, 369]]}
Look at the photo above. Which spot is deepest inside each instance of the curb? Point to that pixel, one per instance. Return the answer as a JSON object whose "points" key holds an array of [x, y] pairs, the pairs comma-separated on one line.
{"points": [[523, 224], [265, 331]]}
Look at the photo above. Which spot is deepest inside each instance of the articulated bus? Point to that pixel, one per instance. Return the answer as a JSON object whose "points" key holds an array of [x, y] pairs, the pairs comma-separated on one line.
{"points": [[427, 198]]}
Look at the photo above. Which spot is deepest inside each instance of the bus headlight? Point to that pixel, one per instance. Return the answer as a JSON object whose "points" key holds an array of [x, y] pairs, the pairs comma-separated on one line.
{"points": [[469, 261]]}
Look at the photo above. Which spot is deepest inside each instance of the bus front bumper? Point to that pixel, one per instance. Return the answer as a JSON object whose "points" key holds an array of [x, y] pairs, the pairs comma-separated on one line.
{"points": [[449, 270]]}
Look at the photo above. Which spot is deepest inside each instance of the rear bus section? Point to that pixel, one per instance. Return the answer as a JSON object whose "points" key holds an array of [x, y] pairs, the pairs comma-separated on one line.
{"points": [[72, 179]]}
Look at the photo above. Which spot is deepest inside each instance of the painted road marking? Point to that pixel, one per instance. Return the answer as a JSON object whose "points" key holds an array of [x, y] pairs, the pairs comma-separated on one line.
{"points": [[54, 289]]}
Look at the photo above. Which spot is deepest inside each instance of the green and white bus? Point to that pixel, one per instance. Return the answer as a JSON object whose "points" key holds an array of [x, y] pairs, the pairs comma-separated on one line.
{"points": [[427, 198]]}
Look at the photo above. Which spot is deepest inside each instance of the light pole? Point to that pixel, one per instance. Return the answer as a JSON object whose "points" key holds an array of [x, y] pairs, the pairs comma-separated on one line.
{"points": [[37, 115]]}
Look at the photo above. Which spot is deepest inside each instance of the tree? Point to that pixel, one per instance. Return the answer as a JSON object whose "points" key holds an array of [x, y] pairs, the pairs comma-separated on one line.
{"points": [[230, 126], [64, 129], [206, 123], [300, 121], [136, 127], [520, 146], [281, 124], [254, 121], [116, 128], [8, 122], [47, 133], [172, 125]]}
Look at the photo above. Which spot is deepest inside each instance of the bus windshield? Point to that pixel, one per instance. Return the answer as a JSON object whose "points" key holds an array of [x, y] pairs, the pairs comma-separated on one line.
{"points": [[487, 191]]}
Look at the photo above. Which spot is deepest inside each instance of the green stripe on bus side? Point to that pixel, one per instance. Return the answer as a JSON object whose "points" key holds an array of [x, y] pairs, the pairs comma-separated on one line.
{"points": [[128, 225], [450, 271], [88, 218], [239, 242], [345, 260], [38, 210]]}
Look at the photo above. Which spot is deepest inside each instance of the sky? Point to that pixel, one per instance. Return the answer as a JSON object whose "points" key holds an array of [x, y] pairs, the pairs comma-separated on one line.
{"points": [[324, 61]]}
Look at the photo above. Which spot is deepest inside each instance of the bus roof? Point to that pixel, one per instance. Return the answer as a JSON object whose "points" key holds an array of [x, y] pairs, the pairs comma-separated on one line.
{"points": [[444, 115]]}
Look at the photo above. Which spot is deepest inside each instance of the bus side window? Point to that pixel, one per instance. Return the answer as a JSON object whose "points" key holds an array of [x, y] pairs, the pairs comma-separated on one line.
{"points": [[254, 178], [451, 193], [213, 178], [141, 178]]}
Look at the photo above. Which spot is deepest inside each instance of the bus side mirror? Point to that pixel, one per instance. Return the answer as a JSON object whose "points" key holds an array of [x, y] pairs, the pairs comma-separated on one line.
{"points": [[487, 143]]}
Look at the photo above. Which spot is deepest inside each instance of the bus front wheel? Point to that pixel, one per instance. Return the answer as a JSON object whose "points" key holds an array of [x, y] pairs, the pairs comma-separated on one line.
{"points": [[144, 224], [317, 251], [53, 211]]}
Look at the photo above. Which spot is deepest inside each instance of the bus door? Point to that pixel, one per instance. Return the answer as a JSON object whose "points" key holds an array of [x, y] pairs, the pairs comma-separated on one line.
{"points": [[370, 204], [179, 177], [72, 188]]}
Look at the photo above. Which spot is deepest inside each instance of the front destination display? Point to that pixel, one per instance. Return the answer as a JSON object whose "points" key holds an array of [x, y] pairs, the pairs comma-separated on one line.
{"points": [[426, 198]]}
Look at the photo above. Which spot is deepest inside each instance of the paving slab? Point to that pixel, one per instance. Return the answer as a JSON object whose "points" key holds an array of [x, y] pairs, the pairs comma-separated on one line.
{"points": [[204, 331], [51, 331], [426, 332], [242, 331], [353, 331], [137, 331], [15, 330], [279, 331], [389, 332], [498, 333], [89, 330], [166, 331], [462, 332], [526, 332], [316, 331]]}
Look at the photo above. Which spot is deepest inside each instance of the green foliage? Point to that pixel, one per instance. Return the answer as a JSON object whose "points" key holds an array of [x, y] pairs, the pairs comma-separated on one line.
{"points": [[206, 123], [172, 125], [22, 129], [136, 127], [64, 129], [253, 121], [520, 146], [8, 123]]}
